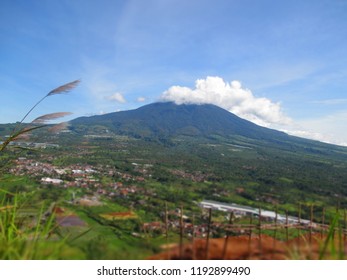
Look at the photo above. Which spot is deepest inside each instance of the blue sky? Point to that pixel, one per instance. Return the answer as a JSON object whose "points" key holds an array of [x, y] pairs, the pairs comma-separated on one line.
{"points": [[289, 58]]}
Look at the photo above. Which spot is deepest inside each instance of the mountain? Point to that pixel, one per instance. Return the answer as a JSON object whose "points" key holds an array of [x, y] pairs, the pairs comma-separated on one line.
{"points": [[168, 120], [204, 143], [165, 121]]}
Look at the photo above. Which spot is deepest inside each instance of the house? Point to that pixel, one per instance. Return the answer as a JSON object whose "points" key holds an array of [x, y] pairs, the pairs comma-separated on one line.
{"points": [[47, 180]]}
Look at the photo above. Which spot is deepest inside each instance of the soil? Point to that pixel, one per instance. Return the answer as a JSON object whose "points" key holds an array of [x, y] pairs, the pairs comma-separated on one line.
{"points": [[246, 248], [120, 214]]}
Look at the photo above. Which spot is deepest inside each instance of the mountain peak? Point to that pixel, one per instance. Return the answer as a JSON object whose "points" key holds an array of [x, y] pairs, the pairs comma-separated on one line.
{"points": [[167, 119]]}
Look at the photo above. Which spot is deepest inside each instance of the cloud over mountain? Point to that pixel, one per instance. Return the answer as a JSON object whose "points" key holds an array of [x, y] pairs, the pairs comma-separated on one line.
{"points": [[141, 99], [232, 97], [118, 97]]}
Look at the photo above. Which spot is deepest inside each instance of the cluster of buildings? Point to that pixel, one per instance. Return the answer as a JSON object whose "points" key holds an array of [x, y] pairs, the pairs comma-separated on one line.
{"points": [[83, 177]]}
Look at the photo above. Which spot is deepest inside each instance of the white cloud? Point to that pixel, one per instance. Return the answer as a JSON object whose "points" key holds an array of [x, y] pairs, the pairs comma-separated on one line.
{"points": [[262, 111], [301, 132], [118, 97], [141, 99], [332, 128], [232, 97]]}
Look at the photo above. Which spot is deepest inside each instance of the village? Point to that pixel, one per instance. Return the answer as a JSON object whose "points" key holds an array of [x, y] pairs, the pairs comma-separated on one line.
{"points": [[83, 177], [93, 185]]}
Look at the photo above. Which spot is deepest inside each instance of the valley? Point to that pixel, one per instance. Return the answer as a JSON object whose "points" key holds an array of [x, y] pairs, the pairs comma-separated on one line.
{"points": [[122, 189]]}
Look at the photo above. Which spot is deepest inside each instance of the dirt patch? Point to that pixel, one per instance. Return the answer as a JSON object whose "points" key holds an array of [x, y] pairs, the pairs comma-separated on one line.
{"points": [[119, 215], [245, 248], [70, 221], [58, 211]]}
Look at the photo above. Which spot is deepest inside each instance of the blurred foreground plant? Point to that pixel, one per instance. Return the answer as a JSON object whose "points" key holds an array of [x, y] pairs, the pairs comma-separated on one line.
{"points": [[24, 236], [20, 131]]}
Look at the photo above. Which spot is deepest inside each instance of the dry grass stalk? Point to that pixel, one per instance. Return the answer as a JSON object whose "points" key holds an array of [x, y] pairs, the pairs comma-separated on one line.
{"points": [[207, 248], [299, 220], [275, 229], [48, 117], [344, 228], [23, 137], [19, 132], [323, 222], [287, 226], [16, 135], [181, 233], [259, 230], [250, 232], [227, 236], [167, 229], [58, 127], [64, 88], [193, 237]]}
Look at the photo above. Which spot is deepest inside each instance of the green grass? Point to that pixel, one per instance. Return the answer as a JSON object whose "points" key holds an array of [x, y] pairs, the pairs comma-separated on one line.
{"points": [[23, 238]]}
